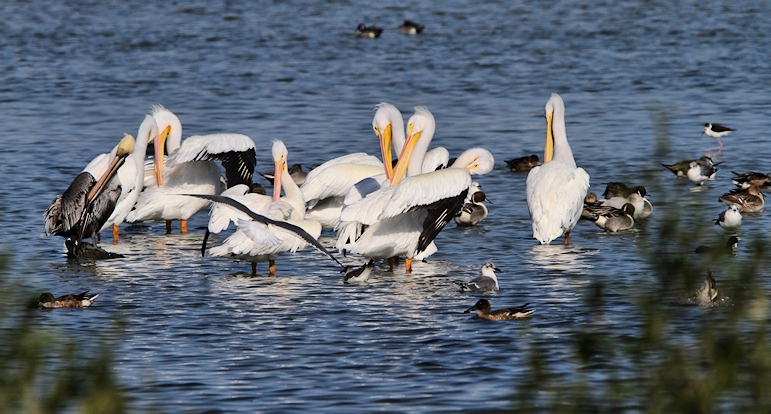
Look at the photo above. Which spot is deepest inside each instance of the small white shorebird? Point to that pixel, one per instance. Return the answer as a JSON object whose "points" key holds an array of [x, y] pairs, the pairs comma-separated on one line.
{"points": [[730, 219], [487, 282], [717, 131]]}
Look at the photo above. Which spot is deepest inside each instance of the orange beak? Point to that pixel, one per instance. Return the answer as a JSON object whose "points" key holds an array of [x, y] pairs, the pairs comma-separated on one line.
{"points": [[160, 144], [385, 150]]}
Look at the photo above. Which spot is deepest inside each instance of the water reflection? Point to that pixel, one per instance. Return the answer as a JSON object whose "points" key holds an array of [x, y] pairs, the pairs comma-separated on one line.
{"points": [[569, 258]]}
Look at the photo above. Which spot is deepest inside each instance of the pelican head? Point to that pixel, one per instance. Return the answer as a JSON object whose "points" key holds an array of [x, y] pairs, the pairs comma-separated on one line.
{"points": [[124, 149], [389, 127], [421, 124], [477, 161], [555, 107], [169, 128], [279, 153], [125, 146]]}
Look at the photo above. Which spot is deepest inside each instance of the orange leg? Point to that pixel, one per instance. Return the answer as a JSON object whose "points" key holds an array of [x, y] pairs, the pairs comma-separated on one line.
{"points": [[183, 226], [114, 234], [272, 267], [254, 268], [168, 226], [408, 265], [567, 237]]}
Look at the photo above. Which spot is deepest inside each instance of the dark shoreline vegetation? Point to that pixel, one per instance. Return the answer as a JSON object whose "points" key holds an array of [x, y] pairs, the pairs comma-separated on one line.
{"points": [[48, 370]]}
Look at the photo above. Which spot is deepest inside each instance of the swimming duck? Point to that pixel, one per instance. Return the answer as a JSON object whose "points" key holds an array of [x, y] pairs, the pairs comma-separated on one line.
{"points": [[716, 131], [612, 219], [523, 164], [707, 292], [473, 210], [409, 28], [751, 178], [82, 300], [727, 248], [368, 32], [750, 200], [730, 219], [487, 282], [483, 306], [358, 274]]}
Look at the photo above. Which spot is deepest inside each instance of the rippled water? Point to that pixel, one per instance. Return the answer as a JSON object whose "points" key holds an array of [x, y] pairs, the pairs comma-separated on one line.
{"points": [[203, 333]]}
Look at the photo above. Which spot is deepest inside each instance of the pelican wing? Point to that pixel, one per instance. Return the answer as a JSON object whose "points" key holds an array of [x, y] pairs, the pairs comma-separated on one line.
{"points": [[555, 197], [420, 190], [298, 231], [235, 151], [335, 180]]}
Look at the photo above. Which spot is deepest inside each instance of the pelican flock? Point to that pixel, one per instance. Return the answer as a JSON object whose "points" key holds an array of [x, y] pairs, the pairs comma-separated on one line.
{"points": [[378, 208]]}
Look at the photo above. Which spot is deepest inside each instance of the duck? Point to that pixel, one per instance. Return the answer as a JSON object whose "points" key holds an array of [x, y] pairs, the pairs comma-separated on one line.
{"points": [[82, 300], [750, 178], [368, 32], [730, 219], [611, 219], [636, 200], [473, 210], [487, 282], [728, 248], [409, 28], [523, 164], [484, 311], [750, 200], [707, 292], [618, 189], [358, 274], [295, 171]]}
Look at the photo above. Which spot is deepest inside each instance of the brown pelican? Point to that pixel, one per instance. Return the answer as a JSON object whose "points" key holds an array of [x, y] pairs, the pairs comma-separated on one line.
{"points": [[87, 204]]}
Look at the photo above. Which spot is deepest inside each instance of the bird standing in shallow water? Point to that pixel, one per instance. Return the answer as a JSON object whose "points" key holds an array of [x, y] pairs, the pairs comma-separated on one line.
{"points": [[82, 300], [483, 306], [716, 131], [556, 189]]}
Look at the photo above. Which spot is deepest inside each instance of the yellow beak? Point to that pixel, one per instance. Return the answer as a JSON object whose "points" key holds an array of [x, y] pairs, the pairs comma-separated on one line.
{"points": [[548, 151], [278, 170], [404, 158], [160, 144], [385, 150]]}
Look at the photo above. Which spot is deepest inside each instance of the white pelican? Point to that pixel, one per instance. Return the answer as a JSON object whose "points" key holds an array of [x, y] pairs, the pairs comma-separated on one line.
{"points": [[257, 240], [556, 189], [83, 209], [405, 217], [327, 185], [132, 177], [190, 168]]}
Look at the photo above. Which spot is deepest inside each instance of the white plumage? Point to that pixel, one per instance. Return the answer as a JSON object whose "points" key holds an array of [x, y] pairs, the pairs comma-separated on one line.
{"points": [[556, 189]]}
